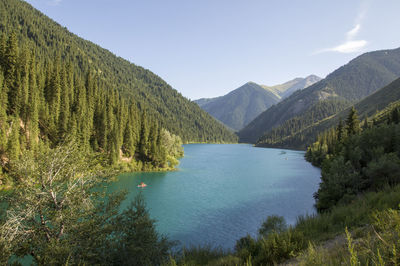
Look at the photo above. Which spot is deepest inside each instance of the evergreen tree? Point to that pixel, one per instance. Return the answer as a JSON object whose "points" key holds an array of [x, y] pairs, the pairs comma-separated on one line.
{"points": [[395, 117], [13, 145], [64, 106], [352, 123], [3, 114], [144, 138], [33, 106], [341, 133]]}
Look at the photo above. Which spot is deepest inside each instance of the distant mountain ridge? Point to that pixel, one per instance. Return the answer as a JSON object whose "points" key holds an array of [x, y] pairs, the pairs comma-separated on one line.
{"points": [[239, 107], [286, 89], [348, 84], [366, 108]]}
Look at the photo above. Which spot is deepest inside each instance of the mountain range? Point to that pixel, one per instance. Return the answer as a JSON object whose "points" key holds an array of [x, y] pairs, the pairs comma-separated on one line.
{"points": [[240, 106], [342, 88], [368, 107]]}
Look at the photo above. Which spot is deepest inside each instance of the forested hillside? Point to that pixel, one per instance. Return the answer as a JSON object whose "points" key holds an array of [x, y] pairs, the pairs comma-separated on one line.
{"points": [[357, 157], [346, 85], [302, 138], [56, 86], [46, 103], [48, 40]]}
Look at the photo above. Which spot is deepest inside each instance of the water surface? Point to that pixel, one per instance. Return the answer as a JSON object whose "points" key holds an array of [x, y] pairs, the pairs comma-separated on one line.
{"points": [[224, 191]]}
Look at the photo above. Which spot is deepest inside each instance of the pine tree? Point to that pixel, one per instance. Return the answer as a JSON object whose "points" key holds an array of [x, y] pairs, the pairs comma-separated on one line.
{"points": [[143, 141], [340, 131], [395, 117], [153, 136], [65, 105], [13, 145], [129, 142], [54, 94], [352, 123], [3, 114], [12, 78], [3, 47], [33, 106]]}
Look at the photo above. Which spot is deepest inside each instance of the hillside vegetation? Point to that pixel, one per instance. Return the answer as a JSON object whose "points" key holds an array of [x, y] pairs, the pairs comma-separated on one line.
{"points": [[302, 137], [48, 40], [56, 86], [350, 83]]}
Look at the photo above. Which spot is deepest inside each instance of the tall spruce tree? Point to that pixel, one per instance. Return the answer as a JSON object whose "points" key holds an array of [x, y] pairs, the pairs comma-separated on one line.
{"points": [[352, 123]]}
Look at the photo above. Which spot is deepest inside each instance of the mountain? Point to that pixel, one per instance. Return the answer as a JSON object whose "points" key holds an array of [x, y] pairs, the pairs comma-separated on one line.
{"points": [[147, 91], [286, 89], [350, 83], [369, 107], [240, 106], [56, 87], [303, 83], [237, 108], [204, 101]]}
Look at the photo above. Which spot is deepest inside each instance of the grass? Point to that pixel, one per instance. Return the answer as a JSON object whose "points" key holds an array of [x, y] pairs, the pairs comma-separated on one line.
{"points": [[321, 227]]}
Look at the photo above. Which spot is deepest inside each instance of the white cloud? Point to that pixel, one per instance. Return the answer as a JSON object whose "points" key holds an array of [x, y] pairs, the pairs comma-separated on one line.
{"points": [[345, 48], [353, 32], [350, 45]]}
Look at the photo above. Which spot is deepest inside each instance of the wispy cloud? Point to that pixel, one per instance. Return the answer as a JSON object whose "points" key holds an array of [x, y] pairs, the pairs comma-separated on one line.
{"points": [[54, 2], [353, 32], [350, 45]]}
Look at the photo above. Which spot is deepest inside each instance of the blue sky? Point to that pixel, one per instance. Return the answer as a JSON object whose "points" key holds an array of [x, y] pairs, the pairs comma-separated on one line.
{"points": [[207, 48]]}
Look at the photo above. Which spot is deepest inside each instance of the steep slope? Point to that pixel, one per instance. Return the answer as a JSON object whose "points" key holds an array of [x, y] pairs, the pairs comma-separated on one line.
{"points": [[367, 107], [280, 89], [240, 106], [303, 83], [348, 84], [49, 40], [204, 101], [288, 88]]}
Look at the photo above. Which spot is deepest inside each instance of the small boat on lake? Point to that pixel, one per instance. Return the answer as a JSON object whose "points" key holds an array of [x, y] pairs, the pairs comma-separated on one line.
{"points": [[142, 185]]}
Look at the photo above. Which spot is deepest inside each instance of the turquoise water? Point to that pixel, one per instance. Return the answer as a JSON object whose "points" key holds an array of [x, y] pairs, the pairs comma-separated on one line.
{"points": [[224, 191]]}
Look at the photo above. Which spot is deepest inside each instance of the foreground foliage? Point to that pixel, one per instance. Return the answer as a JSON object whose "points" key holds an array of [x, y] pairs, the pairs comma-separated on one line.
{"points": [[59, 213], [355, 159], [377, 244]]}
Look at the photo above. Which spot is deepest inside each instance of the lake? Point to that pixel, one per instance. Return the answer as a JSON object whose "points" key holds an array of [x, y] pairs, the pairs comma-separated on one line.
{"points": [[222, 192]]}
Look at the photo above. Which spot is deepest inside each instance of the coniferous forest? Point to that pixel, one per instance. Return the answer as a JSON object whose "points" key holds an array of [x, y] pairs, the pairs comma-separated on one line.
{"points": [[357, 157], [55, 85], [43, 104]]}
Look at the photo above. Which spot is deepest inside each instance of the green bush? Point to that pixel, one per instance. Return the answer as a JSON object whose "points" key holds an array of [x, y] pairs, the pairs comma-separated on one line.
{"points": [[272, 223]]}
